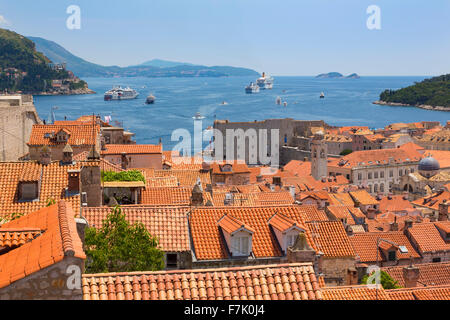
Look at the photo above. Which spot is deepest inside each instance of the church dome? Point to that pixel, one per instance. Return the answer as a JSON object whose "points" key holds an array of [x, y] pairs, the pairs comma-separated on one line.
{"points": [[429, 164]]}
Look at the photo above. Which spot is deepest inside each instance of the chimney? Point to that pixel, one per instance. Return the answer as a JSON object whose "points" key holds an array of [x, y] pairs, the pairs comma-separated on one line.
{"points": [[67, 154], [408, 224], [45, 156], [393, 226], [390, 196], [305, 159], [371, 213], [301, 251], [197, 196], [74, 181], [259, 178], [443, 210], [206, 166], [411, 275], [405, 195], [352, 277], [292, 191]]}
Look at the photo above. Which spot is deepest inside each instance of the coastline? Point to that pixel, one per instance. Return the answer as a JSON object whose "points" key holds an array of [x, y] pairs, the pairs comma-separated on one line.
{"points": [[66, 93], [422, 106]]}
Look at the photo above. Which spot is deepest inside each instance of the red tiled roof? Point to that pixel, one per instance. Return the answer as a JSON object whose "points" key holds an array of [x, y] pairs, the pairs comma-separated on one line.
{"points": [[365, 245], [186, 178], [166, 196], [11, 237], [433, 201], [294, 281], [59, 238], [79, 134], [283, 223], [53, 178], [354, 293], [112, 149], [422, 293], [298, 168], [331, 239], [394, 204], [231, 224], [430, 274], [363, 197], [168, 224], [207, 240], [375, 157], [428, 238], [236, 167]]}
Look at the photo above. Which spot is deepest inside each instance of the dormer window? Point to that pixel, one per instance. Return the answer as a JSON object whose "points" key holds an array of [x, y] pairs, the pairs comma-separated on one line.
{"points": [[237, 235], [62, 135], [28, 191], [285, 229], [226, 168], [392, 255]]}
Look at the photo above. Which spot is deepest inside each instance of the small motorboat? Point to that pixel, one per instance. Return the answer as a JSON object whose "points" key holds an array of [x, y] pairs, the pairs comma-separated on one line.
{"points": [[198, 116], [322, 95], [278, 101], [150, 99], [285, 104]]}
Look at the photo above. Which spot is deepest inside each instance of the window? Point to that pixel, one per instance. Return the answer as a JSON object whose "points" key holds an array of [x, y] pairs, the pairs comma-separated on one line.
{"points": [[400, 172], [171, 260], [240, 246], [290, 240], [412, 170], [370, 188], [359, 176], [375, 188], [28, 191], [382, 174], [375, 175], [391, 173], [436, 260], [392, 255], [369, 175]]}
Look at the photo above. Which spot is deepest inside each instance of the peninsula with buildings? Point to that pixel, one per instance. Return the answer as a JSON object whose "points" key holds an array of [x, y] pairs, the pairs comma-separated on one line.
{"points": [[430, 94], [340, 200], [25, 70]]}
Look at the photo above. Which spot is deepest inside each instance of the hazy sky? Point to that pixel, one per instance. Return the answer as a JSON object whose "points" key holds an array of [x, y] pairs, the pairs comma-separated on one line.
{"points": [[282, 37]]}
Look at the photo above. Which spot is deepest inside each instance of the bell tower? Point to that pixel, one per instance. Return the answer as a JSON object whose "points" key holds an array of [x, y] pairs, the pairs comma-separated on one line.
{"points": [[319, 152]]}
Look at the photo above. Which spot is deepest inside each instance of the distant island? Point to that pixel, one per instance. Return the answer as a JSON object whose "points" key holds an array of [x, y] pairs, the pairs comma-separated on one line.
{"points": [[152, 68], [431, 94], [335, 75], [25, 70]]}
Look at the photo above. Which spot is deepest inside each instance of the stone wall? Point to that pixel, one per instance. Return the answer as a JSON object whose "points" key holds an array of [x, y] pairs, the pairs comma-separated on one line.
{"points": [[60, 281], [335, 270], [16, 122]]}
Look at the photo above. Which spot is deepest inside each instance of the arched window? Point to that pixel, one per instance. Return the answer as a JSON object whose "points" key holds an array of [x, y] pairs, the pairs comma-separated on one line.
{"points": [[375, 188], [382, 187]]}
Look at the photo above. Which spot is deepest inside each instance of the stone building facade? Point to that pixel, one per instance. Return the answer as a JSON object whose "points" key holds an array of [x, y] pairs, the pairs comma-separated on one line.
{"points": [[17, 117]]}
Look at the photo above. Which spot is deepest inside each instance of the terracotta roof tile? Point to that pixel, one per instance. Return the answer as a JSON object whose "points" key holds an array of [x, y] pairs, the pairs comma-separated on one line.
{"points": [[354, 293], [267, 282], [58, 239], [78, 134], [427, 238], [53, 181], [169, 224], [207, 240], [331, 239], [231, 225], [430, 274], [132, 149], [363, 197], [365, 245], [422, 293]]}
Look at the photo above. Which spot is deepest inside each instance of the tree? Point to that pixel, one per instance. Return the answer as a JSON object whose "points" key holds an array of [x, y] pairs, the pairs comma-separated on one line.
{"points": [[121, 247], [386, 281], [346, 152]]}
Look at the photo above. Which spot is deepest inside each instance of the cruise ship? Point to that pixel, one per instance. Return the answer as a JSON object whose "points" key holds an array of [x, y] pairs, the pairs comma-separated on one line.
{"points": [[265, 82], [252, 88], [119, 93]]}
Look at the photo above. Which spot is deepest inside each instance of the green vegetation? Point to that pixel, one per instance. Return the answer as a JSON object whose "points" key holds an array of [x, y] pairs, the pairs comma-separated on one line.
{"points": [[432, 92], [10, 217], [130, 175], [386, 281], [121, 247], [78, 85], [22, 68], [345, 152]]}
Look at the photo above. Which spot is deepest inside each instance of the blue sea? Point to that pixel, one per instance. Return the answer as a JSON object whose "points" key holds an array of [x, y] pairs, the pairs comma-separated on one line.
{"points": [[347, 102]]}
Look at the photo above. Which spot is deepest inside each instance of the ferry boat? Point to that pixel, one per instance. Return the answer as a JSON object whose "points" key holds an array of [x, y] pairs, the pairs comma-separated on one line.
{"points": [[252, 88], [150, 99], [265, 82], [119, 93], [322, 95], [198, 116]]}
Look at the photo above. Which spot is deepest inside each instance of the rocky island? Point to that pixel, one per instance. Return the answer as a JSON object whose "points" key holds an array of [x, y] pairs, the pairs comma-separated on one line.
{"points": [[25, 70], [337, 75], [430, 94]]}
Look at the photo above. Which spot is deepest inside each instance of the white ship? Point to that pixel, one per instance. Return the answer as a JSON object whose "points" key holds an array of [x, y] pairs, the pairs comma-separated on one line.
{"points": [[322, 95], [252, 88], [119, 93], [265, 82]]}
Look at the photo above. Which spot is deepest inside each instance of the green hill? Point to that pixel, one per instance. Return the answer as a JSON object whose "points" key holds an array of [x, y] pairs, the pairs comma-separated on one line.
{"points": [[22, 68], [431, 92], [152, 68]]}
